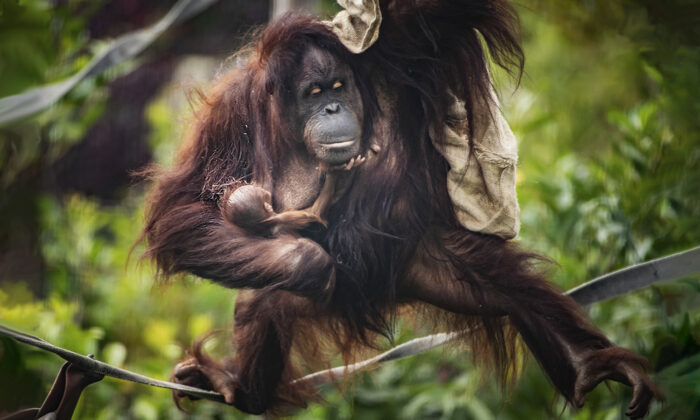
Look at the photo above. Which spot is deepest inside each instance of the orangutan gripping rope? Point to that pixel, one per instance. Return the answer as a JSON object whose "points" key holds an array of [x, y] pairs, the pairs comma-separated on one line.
{"points": [[313, 179]]}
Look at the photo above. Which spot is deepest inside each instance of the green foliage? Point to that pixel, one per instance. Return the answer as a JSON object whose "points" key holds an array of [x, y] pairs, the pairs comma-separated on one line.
{"points": [[609, 174], [42, 43], [86, 247]]}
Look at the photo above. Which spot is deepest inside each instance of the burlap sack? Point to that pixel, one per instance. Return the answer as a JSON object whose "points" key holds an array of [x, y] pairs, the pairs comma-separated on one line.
{"points": [[358, 25], [481, 182]]}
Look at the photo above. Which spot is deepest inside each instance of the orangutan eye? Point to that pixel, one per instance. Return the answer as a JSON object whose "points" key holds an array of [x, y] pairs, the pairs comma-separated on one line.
{"points": [[315, 91], [338, 84]]}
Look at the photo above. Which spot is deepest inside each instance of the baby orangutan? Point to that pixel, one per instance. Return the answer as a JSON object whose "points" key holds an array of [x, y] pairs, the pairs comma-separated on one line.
{"points": [[250, 207]]}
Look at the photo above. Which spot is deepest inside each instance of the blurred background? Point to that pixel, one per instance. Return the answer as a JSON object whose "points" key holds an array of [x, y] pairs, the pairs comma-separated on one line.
{"points": [[607, 117]]}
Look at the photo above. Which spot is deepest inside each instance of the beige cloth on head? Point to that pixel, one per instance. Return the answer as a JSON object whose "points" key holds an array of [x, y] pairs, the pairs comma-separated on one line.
{"points": [[481, 182], [357, 25]]}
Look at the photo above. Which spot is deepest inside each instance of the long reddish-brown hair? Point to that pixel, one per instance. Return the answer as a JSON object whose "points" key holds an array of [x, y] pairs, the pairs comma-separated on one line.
{"points": [[241, 132], [393, 218]]}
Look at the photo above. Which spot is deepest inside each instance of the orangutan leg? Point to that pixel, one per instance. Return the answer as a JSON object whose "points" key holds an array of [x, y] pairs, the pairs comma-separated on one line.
{"points": [[485, 276], [252, 379]]}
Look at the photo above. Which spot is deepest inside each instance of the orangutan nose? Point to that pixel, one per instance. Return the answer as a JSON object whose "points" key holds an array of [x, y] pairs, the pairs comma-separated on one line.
{"points": [[332, 108]]}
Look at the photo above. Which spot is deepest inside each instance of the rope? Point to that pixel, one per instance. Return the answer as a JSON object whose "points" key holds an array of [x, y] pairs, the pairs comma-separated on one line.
{"points": [[602, 288], [89, 364], [16, 107], [637, 277], [597, 290]]}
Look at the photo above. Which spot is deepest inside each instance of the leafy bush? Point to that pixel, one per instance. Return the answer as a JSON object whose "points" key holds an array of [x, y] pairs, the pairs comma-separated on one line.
{"points": [[610, 167]]}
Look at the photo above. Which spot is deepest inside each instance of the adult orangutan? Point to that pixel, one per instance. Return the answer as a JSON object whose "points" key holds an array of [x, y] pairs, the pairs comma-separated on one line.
{"points": [[315, 180]]}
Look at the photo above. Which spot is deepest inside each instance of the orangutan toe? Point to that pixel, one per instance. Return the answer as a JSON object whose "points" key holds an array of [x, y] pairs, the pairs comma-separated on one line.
{"points": [[206, 375], [644, 392], [618, 365]]}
